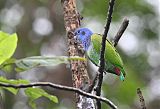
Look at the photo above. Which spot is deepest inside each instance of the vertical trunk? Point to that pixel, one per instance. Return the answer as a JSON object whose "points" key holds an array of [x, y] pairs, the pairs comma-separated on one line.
{"points": [[80, 76]]}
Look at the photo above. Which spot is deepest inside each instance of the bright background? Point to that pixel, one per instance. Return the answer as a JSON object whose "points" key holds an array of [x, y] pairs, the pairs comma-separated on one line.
{"points": [[40, 28]]}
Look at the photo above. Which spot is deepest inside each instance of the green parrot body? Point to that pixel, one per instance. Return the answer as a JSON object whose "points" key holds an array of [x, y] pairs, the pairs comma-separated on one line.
{"points": [[113, 61], [92, 45]]}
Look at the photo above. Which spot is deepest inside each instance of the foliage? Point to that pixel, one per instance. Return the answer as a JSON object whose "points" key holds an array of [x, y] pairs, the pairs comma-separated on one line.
{"points": [[32, 93], [35, 93], [37, 61], [10, 42], [12, 90]]}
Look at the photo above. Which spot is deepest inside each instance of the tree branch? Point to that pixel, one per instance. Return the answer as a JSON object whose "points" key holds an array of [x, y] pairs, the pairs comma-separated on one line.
{"points": [[102, 60], [141, 98], [72, 18], [66, 88], [121, 31]]}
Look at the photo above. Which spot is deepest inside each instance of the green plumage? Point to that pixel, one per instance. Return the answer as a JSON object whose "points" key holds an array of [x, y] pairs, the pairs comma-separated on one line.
{"points": [[112, 57]]}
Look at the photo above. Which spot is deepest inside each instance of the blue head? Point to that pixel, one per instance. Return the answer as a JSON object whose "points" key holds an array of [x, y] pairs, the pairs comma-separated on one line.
{"points": [[83, 35]]}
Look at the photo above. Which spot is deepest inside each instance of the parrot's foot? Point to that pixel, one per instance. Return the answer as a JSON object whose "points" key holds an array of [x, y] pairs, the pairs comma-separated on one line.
{"points": [[80, 48]]}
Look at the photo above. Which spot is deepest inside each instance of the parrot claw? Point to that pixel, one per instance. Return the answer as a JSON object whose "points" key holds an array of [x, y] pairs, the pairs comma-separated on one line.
{"points": [[80, 48]]}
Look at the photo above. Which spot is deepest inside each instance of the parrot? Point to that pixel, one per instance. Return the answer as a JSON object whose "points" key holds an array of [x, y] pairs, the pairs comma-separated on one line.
{"points": [[91, 43]]}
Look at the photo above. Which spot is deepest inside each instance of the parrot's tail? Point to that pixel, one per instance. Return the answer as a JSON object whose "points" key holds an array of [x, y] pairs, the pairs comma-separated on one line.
{"points": [[122, 75]]}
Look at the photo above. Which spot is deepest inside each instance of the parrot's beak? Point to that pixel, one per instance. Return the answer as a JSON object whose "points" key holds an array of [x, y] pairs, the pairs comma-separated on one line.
{"points": [[75, 37], [75, 33]]}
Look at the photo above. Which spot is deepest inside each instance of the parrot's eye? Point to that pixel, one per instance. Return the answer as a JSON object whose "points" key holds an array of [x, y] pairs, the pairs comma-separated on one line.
{"points": [[83, 33], [78, 31]]}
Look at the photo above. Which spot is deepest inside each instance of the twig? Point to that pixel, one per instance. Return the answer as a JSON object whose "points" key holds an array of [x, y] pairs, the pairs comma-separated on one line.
{"points": [[57, 86], [102, 60], [141, 98], [121, 31], [93, 84]]}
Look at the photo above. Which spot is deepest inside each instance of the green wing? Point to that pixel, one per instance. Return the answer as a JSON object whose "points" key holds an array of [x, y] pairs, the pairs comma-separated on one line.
{"points": [[111, 54], [93, 55]]}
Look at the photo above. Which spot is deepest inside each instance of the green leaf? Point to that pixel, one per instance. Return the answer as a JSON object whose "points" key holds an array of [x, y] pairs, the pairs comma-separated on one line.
{"points": [[37, 61], [31, 92], [35, 93], [7, 65], [11, 81], [3, 35], [8, 44]]}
